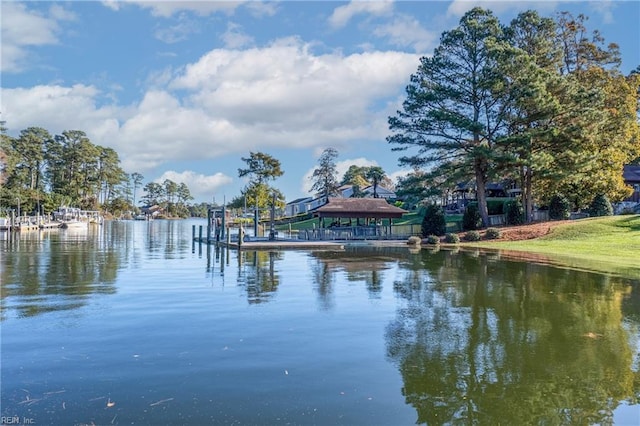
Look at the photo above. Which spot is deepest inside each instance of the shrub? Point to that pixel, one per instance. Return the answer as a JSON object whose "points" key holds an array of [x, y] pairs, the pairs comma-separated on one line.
{"points": [[433, 239], [414, 241], [495, 207], [600, 206], [492, 234], [471, 218], [514, 212], [433, 222], [559, 208], [452, 238], [472, 236]]}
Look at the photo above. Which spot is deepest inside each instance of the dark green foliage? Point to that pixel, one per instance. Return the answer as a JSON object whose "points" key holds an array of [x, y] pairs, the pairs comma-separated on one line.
{"points": [[495, 206], [433, 222], [492, 234], [433, 239], [472, 236], [514, 212], [600, 206], [471, 218], [452, 238], [559, 207]]}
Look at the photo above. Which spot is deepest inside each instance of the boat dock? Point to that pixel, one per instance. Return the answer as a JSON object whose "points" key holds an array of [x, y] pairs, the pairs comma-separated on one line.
{"points": [[263, 243], [27, 223]]}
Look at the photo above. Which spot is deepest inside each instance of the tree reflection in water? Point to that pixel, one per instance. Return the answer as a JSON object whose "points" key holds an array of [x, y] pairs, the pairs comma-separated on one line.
{"points": [[45, 271], [494, 342], [257, 273]]}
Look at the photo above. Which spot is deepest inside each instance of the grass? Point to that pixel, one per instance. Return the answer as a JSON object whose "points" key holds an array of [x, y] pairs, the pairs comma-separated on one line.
{"points": [[609, 244]]}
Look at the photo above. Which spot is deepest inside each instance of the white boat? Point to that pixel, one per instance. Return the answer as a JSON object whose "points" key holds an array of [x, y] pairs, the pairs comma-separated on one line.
{"points": [[74, 224], [71, 217]]}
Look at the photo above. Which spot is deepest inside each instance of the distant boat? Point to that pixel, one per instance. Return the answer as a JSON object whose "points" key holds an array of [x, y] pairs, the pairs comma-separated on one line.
{"points": [[142, 217], [73, 217], [74, 224]]}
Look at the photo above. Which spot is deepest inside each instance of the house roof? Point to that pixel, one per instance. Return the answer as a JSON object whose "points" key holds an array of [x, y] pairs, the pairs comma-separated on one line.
{"points": [[631, 174], [359, 207], [379, 190], [300, 200]]}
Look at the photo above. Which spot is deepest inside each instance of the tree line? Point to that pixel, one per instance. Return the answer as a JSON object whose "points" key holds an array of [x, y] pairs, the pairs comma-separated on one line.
{"points": [[40, 172], [262, 168], [540, 102]]}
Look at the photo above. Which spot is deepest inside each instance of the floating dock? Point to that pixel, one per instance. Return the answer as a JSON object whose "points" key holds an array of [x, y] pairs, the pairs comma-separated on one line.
{"points": [[265, 244]]}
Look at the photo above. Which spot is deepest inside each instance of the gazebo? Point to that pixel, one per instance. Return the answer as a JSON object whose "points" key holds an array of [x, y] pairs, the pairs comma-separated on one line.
{"points": [[363, 210]]}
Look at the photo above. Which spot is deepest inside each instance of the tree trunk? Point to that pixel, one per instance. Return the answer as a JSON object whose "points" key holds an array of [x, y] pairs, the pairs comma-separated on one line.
{"points": [[481, 194], [528, 191]]}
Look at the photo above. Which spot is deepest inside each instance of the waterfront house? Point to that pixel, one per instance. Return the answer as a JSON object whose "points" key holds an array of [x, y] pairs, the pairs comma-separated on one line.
{"points": [[303, 205], [631, 176]]}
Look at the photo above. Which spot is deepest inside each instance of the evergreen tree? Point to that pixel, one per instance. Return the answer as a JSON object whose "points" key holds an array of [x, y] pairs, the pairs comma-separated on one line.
{"points": [[451, 115], [325, 181], [433, 222]]}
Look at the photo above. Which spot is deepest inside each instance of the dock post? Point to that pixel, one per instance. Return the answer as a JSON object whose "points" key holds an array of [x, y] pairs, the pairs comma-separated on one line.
{"points": [[200, 233], [193, 232], [255, 222]]}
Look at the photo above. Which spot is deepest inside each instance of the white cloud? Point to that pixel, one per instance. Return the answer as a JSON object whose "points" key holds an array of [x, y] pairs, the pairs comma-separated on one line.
{"points": [[293, 97], [399, 174], [179, 31], [202, 187], [52, 107], [167, 9], [23, 28], [405, 31], [226, 103], [259, 9], [234, 37], [343, 14], [605, 9], [460, 7]]}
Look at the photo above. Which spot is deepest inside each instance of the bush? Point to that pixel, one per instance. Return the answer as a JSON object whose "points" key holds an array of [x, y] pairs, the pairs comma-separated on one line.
{"points": [[495, 207], [452, 238], [471, 218], [433, 239], [433, 222], [492, 234], [514, 212], [472, 236], [600, 206], [414, 241], [559, 208]]}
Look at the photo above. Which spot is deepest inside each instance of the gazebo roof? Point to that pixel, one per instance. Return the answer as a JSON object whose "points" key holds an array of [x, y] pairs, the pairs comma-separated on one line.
{"points": [[359, 208]]}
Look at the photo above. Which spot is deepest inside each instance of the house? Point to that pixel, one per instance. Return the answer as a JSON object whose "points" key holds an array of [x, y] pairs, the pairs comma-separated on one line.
{"points": [[303, 205], [151, 211], [381, 191], [345, 191], [348, 191], [631, 176]]}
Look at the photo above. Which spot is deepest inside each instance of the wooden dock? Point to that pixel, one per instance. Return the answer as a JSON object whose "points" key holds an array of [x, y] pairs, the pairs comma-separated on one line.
{"points": [[265, 244]]}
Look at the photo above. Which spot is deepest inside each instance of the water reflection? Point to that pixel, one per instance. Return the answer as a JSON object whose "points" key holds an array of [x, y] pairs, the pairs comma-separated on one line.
{"points": [[488, 342], [366, 264], [51, 270], [258, 274]]}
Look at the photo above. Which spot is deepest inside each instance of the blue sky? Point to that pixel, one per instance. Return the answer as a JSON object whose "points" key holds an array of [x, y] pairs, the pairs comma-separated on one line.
{"points": [[183, 90]]}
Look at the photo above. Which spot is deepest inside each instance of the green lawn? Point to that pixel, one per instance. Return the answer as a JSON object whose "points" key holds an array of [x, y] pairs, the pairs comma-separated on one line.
{"points": [[610, 244]]}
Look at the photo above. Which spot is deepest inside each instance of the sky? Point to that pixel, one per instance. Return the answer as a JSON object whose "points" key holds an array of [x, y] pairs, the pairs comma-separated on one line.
{"points": [[184, 90]]}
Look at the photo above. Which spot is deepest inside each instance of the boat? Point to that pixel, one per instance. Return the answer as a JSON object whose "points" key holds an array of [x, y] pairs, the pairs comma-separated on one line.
{"points": [[71, 217]]}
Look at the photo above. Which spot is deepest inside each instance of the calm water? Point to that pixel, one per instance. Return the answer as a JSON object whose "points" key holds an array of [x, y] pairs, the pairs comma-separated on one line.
{"points": [[133, 324]]}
